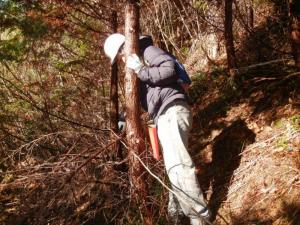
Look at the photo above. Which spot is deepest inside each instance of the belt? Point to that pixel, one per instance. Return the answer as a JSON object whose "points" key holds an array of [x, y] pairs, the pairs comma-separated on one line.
{"points": [[178, 101]]}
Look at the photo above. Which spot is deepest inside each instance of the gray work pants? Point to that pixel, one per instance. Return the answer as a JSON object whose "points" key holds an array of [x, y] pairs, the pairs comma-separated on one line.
{"points": [[173, 131]]}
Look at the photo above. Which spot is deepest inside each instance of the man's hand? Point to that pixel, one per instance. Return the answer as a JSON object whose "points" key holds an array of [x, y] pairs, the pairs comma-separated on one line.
{"points": [[134, 62]]}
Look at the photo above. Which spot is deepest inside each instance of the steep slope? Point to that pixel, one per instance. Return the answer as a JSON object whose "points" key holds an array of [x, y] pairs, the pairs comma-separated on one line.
{"points": [[246, 143]]}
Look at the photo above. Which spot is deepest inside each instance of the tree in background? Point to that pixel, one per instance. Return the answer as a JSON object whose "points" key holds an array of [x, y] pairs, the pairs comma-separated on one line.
{"points": [[228, 34], [294, 14], [114, 99], [251, 15]]}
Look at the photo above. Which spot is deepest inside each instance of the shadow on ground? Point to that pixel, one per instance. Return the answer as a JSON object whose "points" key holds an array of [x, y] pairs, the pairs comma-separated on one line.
{"points": [[225, 159], [289, 214], [271, 93]]}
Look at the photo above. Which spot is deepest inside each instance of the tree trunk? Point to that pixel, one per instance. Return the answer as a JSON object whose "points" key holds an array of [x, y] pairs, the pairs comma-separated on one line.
{"points": [[114, 108], [231, 60], [294, 15], [251, 15], [114, 100], [134, 132]]}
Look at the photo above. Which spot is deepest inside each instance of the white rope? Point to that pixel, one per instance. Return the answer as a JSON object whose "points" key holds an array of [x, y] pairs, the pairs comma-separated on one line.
{"points": [[169, 189]]}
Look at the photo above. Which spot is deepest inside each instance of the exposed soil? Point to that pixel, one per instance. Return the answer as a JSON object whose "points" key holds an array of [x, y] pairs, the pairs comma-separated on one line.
{"points": [[246, 143]]}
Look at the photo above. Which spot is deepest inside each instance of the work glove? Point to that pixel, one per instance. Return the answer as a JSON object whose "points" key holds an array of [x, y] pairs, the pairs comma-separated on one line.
{"points": [[121, 121], [121, 125], [134, 62]]}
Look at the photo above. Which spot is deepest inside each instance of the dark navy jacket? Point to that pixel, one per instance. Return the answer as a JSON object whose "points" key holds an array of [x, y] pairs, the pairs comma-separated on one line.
{"points": [[158, 81]]}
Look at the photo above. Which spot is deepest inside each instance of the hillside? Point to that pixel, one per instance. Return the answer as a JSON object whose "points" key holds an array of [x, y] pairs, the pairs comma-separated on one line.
{"points": [[246, 142], [63, 160]]}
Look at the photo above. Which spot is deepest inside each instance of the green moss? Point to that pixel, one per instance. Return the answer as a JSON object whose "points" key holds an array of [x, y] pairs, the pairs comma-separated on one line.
{"points": [[185, 50], [162, 221], [278, 123], [217, 71], [282, 143], [7, 178], [295, 120], [200, 5]]}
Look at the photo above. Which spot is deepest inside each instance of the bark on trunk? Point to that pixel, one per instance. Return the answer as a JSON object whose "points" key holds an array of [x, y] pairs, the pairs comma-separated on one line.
{"points": [[294, 15], [114, 100], [114, 107], [231, 60], [251, 15], [134, 132]]}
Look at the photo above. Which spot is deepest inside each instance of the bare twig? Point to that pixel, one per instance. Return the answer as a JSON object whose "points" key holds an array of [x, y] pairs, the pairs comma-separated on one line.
{"points": [[170, 190]]}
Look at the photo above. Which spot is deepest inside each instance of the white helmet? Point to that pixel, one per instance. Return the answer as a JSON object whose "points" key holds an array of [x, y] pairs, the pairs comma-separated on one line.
{"points": [[112, 45]]}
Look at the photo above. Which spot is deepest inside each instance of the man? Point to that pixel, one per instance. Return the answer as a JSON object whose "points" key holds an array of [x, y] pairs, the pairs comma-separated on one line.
{"points": [[163, 97]]}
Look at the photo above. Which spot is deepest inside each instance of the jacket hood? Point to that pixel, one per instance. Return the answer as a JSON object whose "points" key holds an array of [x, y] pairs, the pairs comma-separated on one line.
{"points": [[151, 53], [145, 41]]}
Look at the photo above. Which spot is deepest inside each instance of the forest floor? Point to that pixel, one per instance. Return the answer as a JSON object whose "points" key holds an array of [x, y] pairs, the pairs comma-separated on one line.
{"points": [[246, 145], [245, 142]]}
